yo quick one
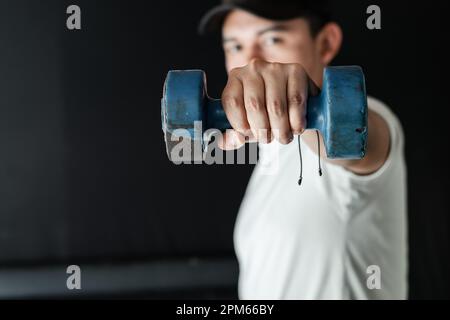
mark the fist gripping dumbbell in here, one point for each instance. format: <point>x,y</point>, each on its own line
<point>339,112</point>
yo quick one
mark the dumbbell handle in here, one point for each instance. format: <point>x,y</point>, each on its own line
<point>217,119</point>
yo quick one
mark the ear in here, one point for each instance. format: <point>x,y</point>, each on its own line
<point>328,42</point>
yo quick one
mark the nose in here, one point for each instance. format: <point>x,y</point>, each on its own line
<point>254,52</point>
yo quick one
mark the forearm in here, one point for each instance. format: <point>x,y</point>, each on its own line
<point>377,147</point>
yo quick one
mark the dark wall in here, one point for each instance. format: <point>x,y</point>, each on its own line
<point>83,169</point>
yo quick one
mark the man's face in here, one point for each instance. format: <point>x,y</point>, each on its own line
<point>247,36</point>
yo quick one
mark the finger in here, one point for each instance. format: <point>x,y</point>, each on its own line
<point>233,105</point>
<point>276,105</point>
<point>254,99</point>
<point>230,140</point>
<point>297,93</point>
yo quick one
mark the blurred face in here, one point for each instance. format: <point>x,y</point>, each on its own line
<point>247,36</point>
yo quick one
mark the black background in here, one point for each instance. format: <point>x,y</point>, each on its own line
<point>83,170</point>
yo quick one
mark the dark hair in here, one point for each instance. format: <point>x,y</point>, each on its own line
<point>316,22</point>
<point>316,12</point>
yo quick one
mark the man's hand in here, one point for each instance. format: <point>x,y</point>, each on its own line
<point>265,101</point>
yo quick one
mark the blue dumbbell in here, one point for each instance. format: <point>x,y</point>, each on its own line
<point>339,112</point>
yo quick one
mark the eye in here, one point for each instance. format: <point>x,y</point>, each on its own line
<point>233,48</point>
<point>270,41</point>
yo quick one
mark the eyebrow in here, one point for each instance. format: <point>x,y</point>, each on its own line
<point>275,27</point>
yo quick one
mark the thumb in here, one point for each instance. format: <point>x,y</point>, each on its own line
<point>230,140</point>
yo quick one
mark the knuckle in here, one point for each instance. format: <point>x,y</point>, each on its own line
<point>285,138</point>
<point>254,63</point>
<point>231,101</point>
<point>298,127</point>
<point>296,68</point>
<point>296,99</point>
<point>275,65</point>
<point>274,71</point>
<point>276,108</point>
<point>235,72</point>
<point>270,68</point>
<point>254,104</point>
